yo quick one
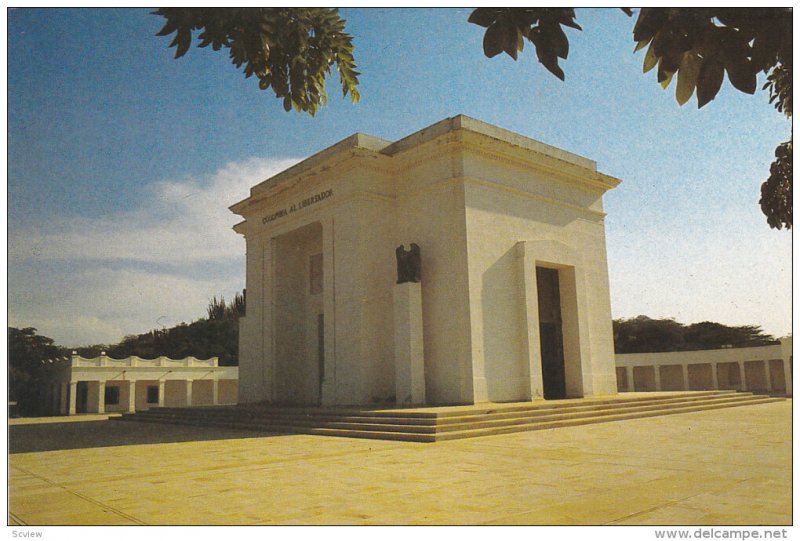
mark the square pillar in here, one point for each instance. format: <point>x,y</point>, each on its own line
<point>328,390</point>
<point>714,377</point>
<point>786,357</point>
<point>787,376</point>
<point>49,399</point>
<point>657,376</point>
<point>215,391</point>
<point>189,392</point>
<point>54,405</point>
<point>73,397</point>
<point>101,397</point>
<point>131,396</point>
<point>409,355</point>
<point>530,320</point>
<point>63,392</point>
<point>768,376</point>
<point>685,370</point>
<point>161,392</point>
<point>742,375</point>
<point>629,377</point>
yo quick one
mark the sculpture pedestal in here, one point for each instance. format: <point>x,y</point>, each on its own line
<point>408,350</point>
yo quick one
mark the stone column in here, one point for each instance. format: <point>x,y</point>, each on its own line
<point>530,320</point>
<point>132,396</point>
<point>73,397</point>
<point>328,390</point>
<point>787,376</point>
<point>189,392</point>
<point>629,377</point>
<point>63,391</point>
<point>215,391</point>
<point>101,397</point>
<point>161,392</point>
<point>657,374</point>
<point>54,405</point>
<point>742,377</point>
<point>685,370</point>
<point>714,377</point>
<point>786,357</point>
<point>49,399</point>
<point>409,356</point>
<point>767,375</point>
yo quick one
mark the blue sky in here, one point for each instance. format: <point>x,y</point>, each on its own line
<point>122,162</point>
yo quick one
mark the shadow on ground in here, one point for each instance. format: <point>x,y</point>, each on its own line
<point>35,438</point>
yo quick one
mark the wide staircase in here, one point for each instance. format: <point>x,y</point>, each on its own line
<point>447,423</point>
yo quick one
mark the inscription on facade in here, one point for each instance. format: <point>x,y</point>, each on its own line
<point>303,203</point>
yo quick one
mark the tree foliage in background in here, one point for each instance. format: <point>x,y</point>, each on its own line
<point>642,334</point>
<point>28,355</point>
<point>214,336</point>
<point>508,28</point>
<point>219,310</point>
<point>291,50</point>
<point>698,45</point>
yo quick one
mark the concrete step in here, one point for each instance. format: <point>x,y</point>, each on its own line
<point>424,426</point>
<point>571,414</point>
<point>595,419</point>
<point>414,414</point>
<point>401,417</point>
<point>540,411</point>
<point>452,426</point>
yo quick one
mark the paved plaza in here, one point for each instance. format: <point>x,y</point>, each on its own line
<point>718,467</point>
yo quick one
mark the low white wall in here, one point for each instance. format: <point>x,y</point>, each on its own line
<point>760,369</point>
<point>180,382</point>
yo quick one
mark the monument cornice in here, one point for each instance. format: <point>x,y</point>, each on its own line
<point>327,208</point>
<point>595,214</point>
<point>502,151</point>
<point>353,158</point>
<point>544,163</point>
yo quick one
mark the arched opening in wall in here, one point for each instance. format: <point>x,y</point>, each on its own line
<point>299,315</point>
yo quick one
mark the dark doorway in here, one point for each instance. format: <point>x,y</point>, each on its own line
<point>82,397</point>
<point>550,334</point>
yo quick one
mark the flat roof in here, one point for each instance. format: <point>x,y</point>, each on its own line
<point>388,148</point>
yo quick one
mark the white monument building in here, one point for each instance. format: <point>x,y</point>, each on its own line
<point>512,301</point>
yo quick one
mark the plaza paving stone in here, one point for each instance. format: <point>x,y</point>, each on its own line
<point>718,467</point>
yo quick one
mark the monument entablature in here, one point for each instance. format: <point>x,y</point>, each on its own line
<point>512,300</point>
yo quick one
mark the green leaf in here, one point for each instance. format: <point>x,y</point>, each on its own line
<point>549,60</point>
<point>483,17</point>
<point>666,80</point>
<point>742,76</point>
<point>650,59</point>
<point>687,77</point>
<point>649,22</point>
<point>709,81</point>
<point>184,40</point>
<point>641,45</point>
<point>493,40</point>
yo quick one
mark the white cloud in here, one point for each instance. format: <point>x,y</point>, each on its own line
<point>182,221</point>
<point>93,280</point>
<point>102,305</point>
